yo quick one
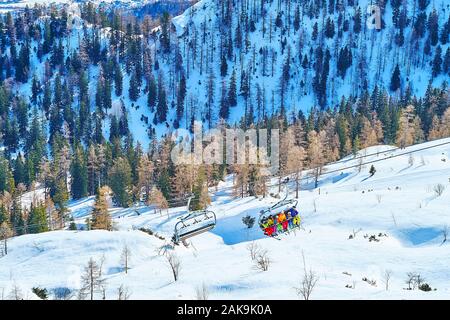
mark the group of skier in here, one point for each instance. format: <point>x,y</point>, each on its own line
<point>281,222</point>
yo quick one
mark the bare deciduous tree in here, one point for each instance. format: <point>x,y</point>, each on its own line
<point>125,257</point>
<point>174,263</point>
<point>123,293</point>
<point>91,280</point>
<point>386,278</point>
<point>253,248</point>
<point>262,261</point>
<point>308,282</point>
<point>15,293</point>
<point>413,280</point>
<point>5,233</point>
<point>202,292</point>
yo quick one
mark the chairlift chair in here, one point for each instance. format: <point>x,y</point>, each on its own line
<point>283,205</point>
<point>193,224</point>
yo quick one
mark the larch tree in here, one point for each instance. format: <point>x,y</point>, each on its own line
<point>6,232</point>
<point>201,197</point>
<point>125,257</point>
<point>406,126</point>
<point>445,123</point>
<point>368,134</point>
<point>316,158</point>
<point>296,159</point>
<point>101,218</point>
<point>91,280</point>
<point>258,172</point>
<point>145,176</point>
<point>158,200</point>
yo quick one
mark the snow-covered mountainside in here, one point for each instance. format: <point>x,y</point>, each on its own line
<point>292,54</point>
<point>355,229</point>
<point>242,61</point>
<point>152,7</point>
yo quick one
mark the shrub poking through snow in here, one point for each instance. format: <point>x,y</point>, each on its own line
<point>439,189</point>
<point>248,221</point>
<point>425,287</point>
<point>40,292</point>
<point>262,261</point>
<point>415,281</point>
<point>372,171</point>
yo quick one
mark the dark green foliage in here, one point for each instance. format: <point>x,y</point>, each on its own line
<point>395,79</point>
<point>425,287</point>
<point>248,221</point>
<point>79,181</point>
<point>40,292</point>
<point>372,170</point>
<point>37,219</point>
<point>120,181</point>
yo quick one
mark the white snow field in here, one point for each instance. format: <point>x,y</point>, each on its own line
<point>398,201</point>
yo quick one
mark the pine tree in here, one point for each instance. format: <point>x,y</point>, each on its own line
<point>120,181</point>
<point>446,63</point>
<point>161,107</point>
<point>223,66</point>
<point>433,27</point>
<point>224,110</point>
<point>437,62</point>
<point>395,79</point>
<point>357,21</point>
<point>79,181</point>
<point>152,93</point>
<point>232,98</point>
<point>37,219</point>
<point>181,96</point>
<point>35,89</point>
<point>165,32</point>
<point>133,91</point>
<point>118,80</point>
<point>329,28</point>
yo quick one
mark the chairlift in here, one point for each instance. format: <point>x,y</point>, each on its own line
<point>193,224</point>
<point>285,205</point>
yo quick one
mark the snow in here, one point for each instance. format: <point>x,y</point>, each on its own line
<point>398,201</point>
<point>379,49</point>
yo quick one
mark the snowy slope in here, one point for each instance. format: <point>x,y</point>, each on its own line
<point>397,201</point>
<point>374,56</point>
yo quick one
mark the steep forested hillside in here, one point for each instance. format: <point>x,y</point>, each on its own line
<point>87,91</point>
